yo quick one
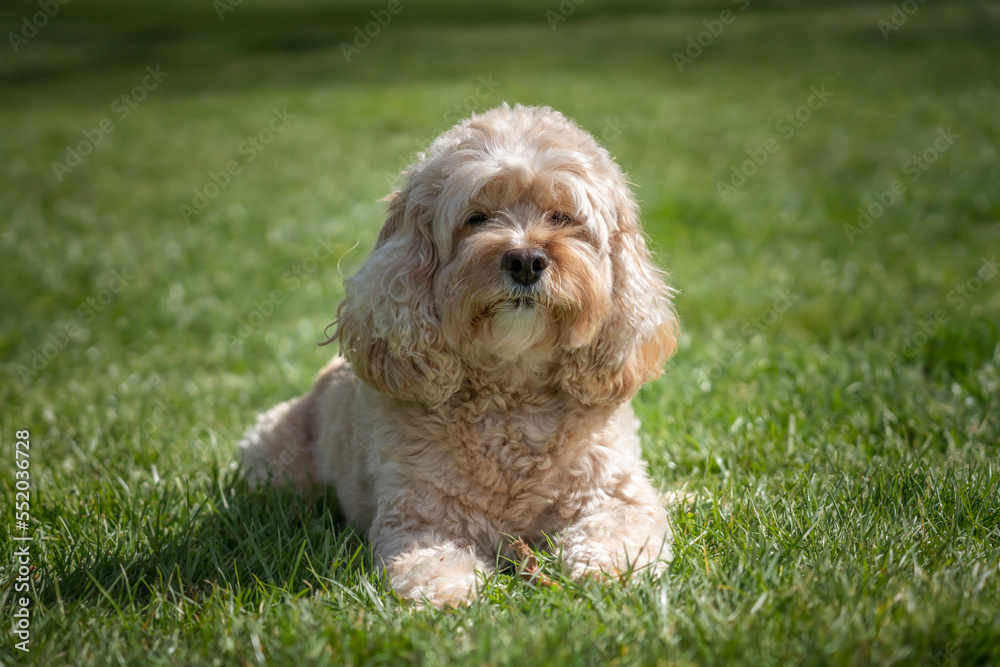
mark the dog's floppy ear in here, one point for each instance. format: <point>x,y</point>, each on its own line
<point>641,332</point>
<point>387,324</point>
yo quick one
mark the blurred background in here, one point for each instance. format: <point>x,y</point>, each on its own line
<point>185,184</point>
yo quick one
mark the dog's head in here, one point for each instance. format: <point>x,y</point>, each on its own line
<point>513,251</point>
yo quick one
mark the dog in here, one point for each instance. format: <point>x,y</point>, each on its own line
<point>491,345</point>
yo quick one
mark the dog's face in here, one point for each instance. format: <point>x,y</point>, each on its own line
<point>523,241</point>
<point>513,251</point>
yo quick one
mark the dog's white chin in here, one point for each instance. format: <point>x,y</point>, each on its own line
<point>516,327</point>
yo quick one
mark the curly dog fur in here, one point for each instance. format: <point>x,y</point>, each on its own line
<point>492,343</point>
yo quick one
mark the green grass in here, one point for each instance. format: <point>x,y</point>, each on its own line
<point>844,465</point>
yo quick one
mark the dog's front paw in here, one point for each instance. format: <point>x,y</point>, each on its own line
<point>444,575</point>
<point>622,539</point>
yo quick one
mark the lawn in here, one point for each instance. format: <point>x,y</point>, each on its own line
<point>184,185</point>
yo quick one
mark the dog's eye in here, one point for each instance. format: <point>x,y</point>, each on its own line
<point>477,219</point>
<point>560,218</point>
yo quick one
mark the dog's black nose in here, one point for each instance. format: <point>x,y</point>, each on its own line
<point>525,265</point>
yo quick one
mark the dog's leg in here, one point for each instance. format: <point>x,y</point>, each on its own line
<point>281,446</point>
<point>424,562</point>
<point>619,536</point>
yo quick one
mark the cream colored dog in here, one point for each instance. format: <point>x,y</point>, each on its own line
<point>493,340</point>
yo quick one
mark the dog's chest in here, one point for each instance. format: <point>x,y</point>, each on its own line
<point>521,466</point>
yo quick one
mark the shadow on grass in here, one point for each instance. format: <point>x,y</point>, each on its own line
<point>191,542</point>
